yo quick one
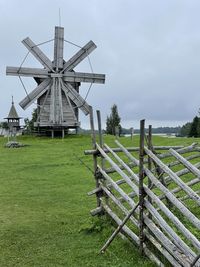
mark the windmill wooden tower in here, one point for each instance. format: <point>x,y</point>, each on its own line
<point>57,92</point>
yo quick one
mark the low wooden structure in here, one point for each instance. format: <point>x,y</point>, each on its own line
<point>152,195</point>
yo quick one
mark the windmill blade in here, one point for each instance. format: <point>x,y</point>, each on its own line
<point>70,76</point>
<point>79,56</point>
<point>36,93</point>
<point>37,53</point>
<point>75,97</point>
<point>27,72</point>
<point>58,48</point>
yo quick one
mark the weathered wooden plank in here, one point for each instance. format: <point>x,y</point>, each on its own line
<point>174,163</point>
<point>182,150</point>
<point>27,72</point>
<point>58,48</point>
<point>187,197</point>
<point>168,179</point>
<point>75,97</point>
<point>69,76</point>
<point>35,94</point>
<point>118,203</point>
<point>116,187</point>
<point>93,138</point>
<point>165,246</point>
<point>119,221</point>
<point>141,186</point>
<point>190,254</point>
<point>175,190</point>
<point>178,254</point>
<point>180,173</point>
<point>101,142</point>
<point>159,235</point>
<point>116,167</point>
<point>126,230</point>
<point>37,53</point>
<point>173,176</point>
<point>168,230</point>
<point>135,149</point>
<point>150,146</point>
<point>155,214</point>
<point>52,103</point>
<point>94,191</point>
<point>71,110</point>
<point>43,106</point>
<point>79,56</point>
<point>119,228</point>
<point>193,219</point>
<point>96,211</point>
<point>60,103</point>
<point>186,163</point>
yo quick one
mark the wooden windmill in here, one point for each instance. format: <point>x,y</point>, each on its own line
<point>57,93</point>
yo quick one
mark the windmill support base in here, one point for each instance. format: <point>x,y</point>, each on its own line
<point>63,133</point>
<point>52,133</point>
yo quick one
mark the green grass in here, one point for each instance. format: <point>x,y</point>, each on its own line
<point>44,208</point>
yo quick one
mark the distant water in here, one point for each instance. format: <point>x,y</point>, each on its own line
<point>157,134</point>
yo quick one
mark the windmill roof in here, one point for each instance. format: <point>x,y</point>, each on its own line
<point>13,113</point>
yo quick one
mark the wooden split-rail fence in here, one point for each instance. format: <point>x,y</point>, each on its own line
<point>152,195</point>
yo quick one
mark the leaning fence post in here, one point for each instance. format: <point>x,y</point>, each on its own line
<point>93,136</point>
<point>141,188</point>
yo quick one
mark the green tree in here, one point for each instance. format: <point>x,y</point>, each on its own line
<point>194,127</point>
<point>113,121</point>
<point>29,124</point>
<point>185,129</point>
<point>4,125</point>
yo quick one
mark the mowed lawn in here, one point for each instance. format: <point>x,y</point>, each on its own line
<point>44,207</point>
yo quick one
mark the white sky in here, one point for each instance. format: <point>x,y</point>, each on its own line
<point>148,49</point>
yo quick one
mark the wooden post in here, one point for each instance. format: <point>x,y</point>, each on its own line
<point>149,159</point>
<point>101,142</point>
<point>141,188</point>
<point>93,136</point>
<point>100,135</point>
<point>132,132</point>
<point>99,128</point>
<point>52,133</point>
<point>63,133</point>
<point>117,131</point>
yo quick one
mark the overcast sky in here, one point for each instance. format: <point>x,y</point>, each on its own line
<point>148,49</point>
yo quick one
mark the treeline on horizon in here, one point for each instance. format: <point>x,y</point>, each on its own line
<point>190,129</point>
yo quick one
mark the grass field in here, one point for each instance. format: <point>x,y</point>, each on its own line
<point>44,209</point>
